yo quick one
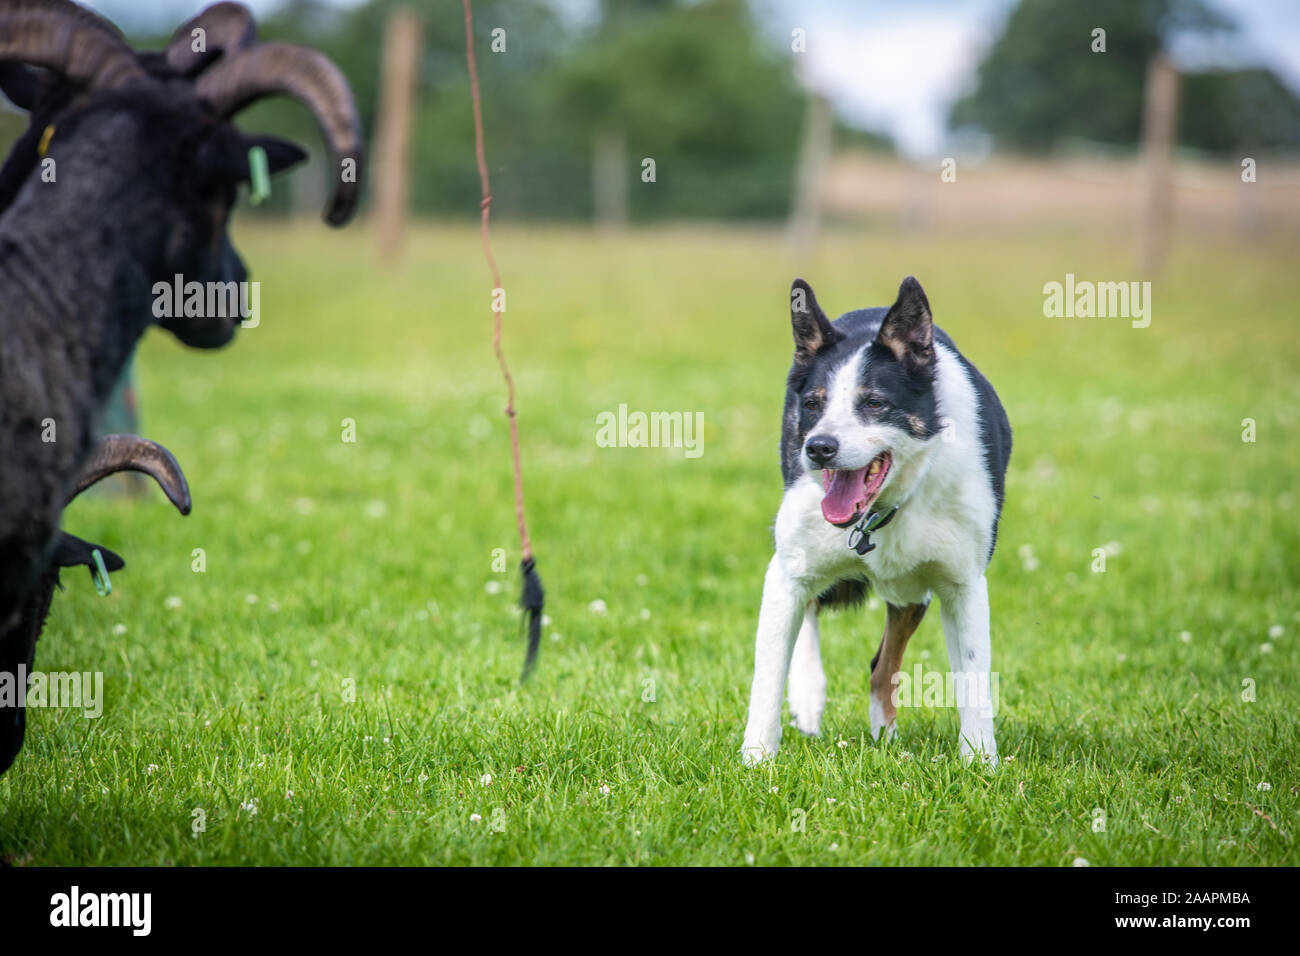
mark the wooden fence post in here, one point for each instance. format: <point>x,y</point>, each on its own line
<point>1160,114</point>
<point>810,171</point>
<point>393,136</point>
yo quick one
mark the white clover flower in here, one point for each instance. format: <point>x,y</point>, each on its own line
<point>172,603</point>
<point>597,607</point>
<point>485,780</point>
<point>475,818</point>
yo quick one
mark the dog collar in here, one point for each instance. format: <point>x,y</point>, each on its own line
<point>860,537</point>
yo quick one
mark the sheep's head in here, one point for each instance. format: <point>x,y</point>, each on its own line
<point>113,453</point>
<point>156,130</point>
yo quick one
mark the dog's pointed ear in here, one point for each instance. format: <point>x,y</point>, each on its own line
<point>812,330</point>
<point>908,327</point>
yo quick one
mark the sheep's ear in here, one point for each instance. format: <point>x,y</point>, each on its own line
<point>225,159</point>
<point>70,551</point>
<point>280,154</point>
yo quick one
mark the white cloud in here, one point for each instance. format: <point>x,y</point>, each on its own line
<point>900,73</point>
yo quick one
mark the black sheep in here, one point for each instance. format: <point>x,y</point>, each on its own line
<point>112,454</point>
<point>146,166</point>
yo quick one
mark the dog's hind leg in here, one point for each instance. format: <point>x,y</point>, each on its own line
<point>900,624</point>
<point>778,622</point>
<point>807,690</point>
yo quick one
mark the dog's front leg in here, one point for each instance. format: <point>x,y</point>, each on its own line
<point>807,690</point>
<point>778,623</point>
<point>964,610</point>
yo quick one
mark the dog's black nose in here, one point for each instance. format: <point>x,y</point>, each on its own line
<point>822,448</point>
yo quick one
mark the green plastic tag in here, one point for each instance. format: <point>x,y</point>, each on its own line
<point>100,575</point>
<point>259,176</point>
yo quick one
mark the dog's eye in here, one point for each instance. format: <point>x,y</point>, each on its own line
<point>874,403</point>
<point>812,403</point>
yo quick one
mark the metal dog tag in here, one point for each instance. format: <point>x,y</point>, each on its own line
<point>860,537</point>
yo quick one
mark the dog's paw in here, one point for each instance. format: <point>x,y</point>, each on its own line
<point>807,704</point>
<point>979,749</point>
<point>882,725</point>
<point>753,756</point>
<point>760,748</point>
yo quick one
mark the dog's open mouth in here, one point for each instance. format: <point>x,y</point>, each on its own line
<point>848,493</point>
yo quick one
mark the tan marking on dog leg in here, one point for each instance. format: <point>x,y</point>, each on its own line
<point>900,624</point>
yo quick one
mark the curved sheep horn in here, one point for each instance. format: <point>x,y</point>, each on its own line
<point>66,38</point>
<point>116,453</point>
<point>311,78</point>
<point>227,28</point>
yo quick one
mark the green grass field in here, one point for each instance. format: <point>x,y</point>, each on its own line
<point>333,566</point>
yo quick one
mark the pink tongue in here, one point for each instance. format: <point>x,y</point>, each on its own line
<point>846,495</point>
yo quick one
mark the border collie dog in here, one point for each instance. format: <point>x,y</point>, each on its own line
<point>894,451</point>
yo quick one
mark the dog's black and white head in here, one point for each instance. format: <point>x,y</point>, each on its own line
<point>861,404</point>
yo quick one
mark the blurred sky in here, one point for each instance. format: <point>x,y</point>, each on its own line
<point>894,65</point>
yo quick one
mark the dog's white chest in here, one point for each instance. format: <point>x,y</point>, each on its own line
<point>932,539</point>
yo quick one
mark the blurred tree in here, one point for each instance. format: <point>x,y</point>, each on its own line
<point>688,83</point>
<point>1041,81</point>
<point>1237,112</point>
<point>693,87</point>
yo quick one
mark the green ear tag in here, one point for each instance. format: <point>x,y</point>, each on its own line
<point>99,574</point>
<point>259,176</point>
